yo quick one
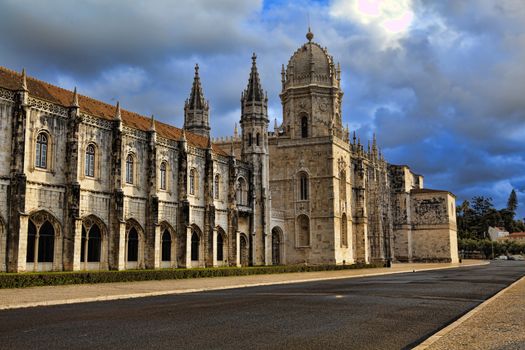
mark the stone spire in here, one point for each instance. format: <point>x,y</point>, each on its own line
<point>74,103</point>
<point>196,109</point>
<point>118,115</point>
<point>235,131</point>
<point>254,91</point>
<point>152,125</point>
<point>275,125</point>
<point>23,82</point>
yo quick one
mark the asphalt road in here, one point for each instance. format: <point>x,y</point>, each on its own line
<point>385,312</point>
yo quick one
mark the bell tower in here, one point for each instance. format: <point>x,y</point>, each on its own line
<point>311,93</point>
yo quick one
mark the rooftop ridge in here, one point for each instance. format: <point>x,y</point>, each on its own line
<point>199,141</point>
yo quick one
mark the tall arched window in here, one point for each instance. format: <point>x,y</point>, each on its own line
<point>192,181</point>
<point>242,193</point>
<point>303,186</point>
<point>41,150</point>
<point>133,245</point>
<point>163,169</point>
<point>250,139</point>
<point>220,247</point>
<point>166,246</point>
<point>90,161</point>
<point>195,242</point>
<point>258,139</point>
<point>216,187</point>
<point>129,169</point>
<point>304,126</point>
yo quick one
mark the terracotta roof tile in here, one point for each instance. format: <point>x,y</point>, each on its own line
<point>12,80</point>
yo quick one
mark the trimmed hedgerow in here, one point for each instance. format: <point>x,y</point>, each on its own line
<point>23,280</point>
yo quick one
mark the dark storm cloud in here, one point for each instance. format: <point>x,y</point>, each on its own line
<point>446,97</point>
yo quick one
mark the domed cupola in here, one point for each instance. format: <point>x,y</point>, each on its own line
<point>310,64</point>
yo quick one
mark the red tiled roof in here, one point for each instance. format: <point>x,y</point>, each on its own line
<point>517,234</point>
<point>11,80</point>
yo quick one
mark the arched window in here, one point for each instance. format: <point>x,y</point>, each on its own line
<point>242,193</point>
<point>344,231</point>
<point>163,169</point>
<point>195,240</point>
<point>342,185</point>
<point>46,243</point>
<point>94,244</point>
<point>216,187</point>
<point>303,186</point>
<point>31,238</point>
<point>258,139</point>
<point>133,245</point>
<point>41,150</point>
<point>166,246</point>
<point>129,169</point>
<point>250,139</point>
<point>90,161</point>
<point>303,231</point>
<point>192,181</point>
<point>304,126</point>
<point>220,247</point>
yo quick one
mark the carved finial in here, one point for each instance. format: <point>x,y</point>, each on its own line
<point>275,126</point>
<point>354,137</point>
<point>23,84</point>
<point>118,115</point>
<point>232,150</point>
<point>283,74</point>
<point>235,131</point>
<point>75,98</point>
<point>309,35</point>
<point>183,135</point>
<point>152,126</point>
<point>209,142</point>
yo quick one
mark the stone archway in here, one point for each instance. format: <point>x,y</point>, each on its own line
<point>44,248</point>
<point>169,246</point>
<point>221,245</point>
<point>244,250</point>
<point>197,256</point>
<point>277,246</point>
<point>94,244</point>
<point>134,245</point>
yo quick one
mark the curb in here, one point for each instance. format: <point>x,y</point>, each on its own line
<point>195,290</point>
<point>443,332</point>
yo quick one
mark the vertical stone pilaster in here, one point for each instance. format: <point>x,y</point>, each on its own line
<point>77,244</point>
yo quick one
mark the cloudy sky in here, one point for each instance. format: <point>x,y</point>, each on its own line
<point>441,83</point>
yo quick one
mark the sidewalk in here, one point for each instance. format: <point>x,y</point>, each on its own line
<point>56,295</point>
<point>498,323</point>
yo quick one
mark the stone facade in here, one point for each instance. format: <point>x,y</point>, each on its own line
<point>86,186</point>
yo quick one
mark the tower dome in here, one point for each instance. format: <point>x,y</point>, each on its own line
<point>311,63</point>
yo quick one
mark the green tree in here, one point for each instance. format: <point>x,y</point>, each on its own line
<point>512,202</point>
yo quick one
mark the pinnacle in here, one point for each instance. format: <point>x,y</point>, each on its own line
<point>118,115</point>
<point>196,100</point>
<point>23,85</point>
<point>254,91</point>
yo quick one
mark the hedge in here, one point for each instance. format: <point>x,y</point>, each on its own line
<point>30,279</point>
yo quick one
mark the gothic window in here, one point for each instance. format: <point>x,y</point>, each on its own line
<point>303,231</point>
<point>216,187</point>
<point>195,242</point>
<point>242,193</point>
<point>342,185</point>
<point>192,181</point>
<point>41,150</point>
<point>90,161</point>
<point>220,247</point>
<point>304,127</point>
<point>94,244</point>
<point>40,242</point>
<point>31,239</point>
<point>129,169</point>
<point>250,139</point>
<point>257,139</point>
<point>133,245</point>
<point>163,170</point>
<point>303,186</point>
<point>166,246</point>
